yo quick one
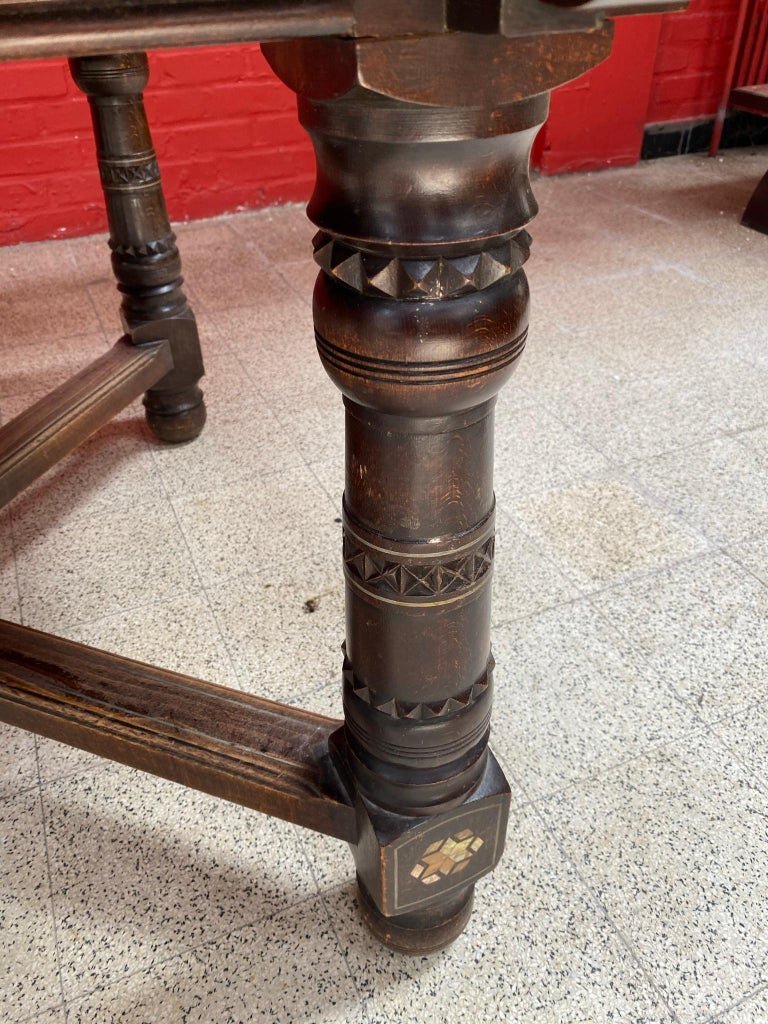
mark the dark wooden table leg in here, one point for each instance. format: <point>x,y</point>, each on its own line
<point>145,258</point>
<point>421,313</point>
<point>755,215</point>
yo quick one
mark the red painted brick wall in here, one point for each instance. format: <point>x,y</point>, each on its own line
<point>691,62</point>
<point>227,135</point>
<point>225,130</point>
<point>598,120</point>
<point>665,68</point>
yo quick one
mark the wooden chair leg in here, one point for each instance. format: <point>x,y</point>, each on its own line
<point>421,312</point>
<point>755,215</point>
<point>145,258</point>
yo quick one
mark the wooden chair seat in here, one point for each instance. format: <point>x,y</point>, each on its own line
<point>751,98</point>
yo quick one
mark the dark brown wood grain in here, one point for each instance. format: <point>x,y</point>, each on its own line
<point>404,68</point>
<point>421,315</point>
<point>35,29</point>
<point>250,751</point>
<point>34,441</point>
<point>422,116</point>
<point>755,215</point>
<point>40,28</point>
<point>754,99</point>
<point>145,258</point>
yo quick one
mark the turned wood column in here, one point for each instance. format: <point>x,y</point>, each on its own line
<point>145,259</point>
<point>421,313</point>
<point>421,199</point>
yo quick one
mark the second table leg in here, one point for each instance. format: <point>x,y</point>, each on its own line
<point>145,258</point>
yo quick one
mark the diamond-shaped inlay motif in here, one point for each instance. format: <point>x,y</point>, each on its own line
<point>438,278</point>
<point>447,857</point>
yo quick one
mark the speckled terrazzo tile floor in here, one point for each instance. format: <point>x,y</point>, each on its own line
<point>630,630</point>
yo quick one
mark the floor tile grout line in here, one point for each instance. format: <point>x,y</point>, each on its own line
<point>61,629</point>
<point>236,481</point>
<point>253,923</point>
<point>222,582</point>
<point>202,586</point>
<point>644,655</point>
<point>15,564</point>
<point>286,473</point>
<point>603,771</point>
<point>551,406</point>
<point>166,500</point>
<point>635,577</point>
<point>106,335</point>
<point>279,419</point>
<point>601,908</point>
<point>297,291</point>
<point>751,774</point>
<point>14,545</point>
<point>704,442</point>
<point>644,658</point>
<point>537,801</point>
<point>710,552</point>
<point>239,577</point>
<point>332,924</point>
<point>511,512</point>
<point>212,313</point>
<point>617,474</point>
<point>306,465</point>
<point>701,724</point>
<point>38,1014</point>
<point>22,791</point>
<point>758,705</point>
<point>718,1015</point>
<point>584,441</point>
<point>728,553</point>
<point>130,504</point>
<point>49,873</point>
<point>652,671</point>
<point>583,594</point>
<point>505,623</point>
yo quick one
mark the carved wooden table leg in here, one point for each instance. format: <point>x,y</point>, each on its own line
<point>145,258</point>
<point>421,312</point>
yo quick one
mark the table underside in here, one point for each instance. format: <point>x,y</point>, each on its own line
<point>44,28</point>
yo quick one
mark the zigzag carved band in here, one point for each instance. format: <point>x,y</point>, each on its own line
<point>424,711</point>
<point>397,578</point>
<point>120,175</point>
<point>145,250</point>
<point>440,277</point>
<point>398,372</point>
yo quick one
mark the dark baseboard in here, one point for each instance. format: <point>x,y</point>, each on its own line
<point>676,137</point>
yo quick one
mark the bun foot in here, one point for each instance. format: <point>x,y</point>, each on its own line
<point>420,932</point>
<point>176,421</point>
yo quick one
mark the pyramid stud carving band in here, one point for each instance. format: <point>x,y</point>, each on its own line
<point>440,277</point>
